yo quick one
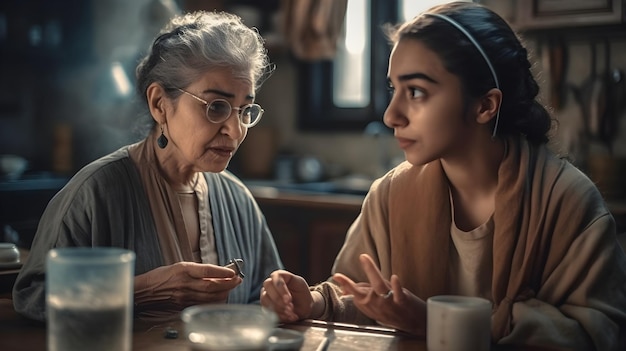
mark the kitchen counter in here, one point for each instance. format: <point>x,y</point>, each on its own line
<point>313,199</point>
<point>22,202</point>
<point>8,275</point>
<point>328,195</point>
<point>34,183</point>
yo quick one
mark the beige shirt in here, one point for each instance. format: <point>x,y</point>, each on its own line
<point>471,260</point>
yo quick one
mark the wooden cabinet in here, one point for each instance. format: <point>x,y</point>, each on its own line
<point>550,14</point>
<point>46,32</point>
<point>309,229</point>
<point>535,14</point>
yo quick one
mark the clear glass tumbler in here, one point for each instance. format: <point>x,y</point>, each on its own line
<point>89,298</point>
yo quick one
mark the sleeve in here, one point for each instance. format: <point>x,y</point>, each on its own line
<point>582,302</point>
<point>57,228</point>
<point>91,210</point>
<point>339,308</point>
<point>368,234</point>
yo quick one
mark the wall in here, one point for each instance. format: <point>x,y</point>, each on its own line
<point>578,72</point>
<point>278,96</point>
<point>60,109</point>
<point>351,152</point>
<point>73,95</point>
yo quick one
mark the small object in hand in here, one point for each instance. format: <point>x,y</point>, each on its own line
<point>171,333</point>
<point>236,264</point>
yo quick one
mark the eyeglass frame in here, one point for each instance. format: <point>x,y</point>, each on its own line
<point>238,109</point>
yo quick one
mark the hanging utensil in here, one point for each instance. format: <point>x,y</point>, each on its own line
<point>613,86</point>
<point>557,66</point>
<point>591,95</point>
<point>619,90</point>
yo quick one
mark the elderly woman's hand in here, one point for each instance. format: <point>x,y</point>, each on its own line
<point>185,284</point>
<point>385,301</point>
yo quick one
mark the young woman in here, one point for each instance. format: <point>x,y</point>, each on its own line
<point>168,197</point>
<point>481,207</point>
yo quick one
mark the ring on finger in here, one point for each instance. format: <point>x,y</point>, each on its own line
<point>386,295</point>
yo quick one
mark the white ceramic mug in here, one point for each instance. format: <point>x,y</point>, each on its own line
<point>458,323</point>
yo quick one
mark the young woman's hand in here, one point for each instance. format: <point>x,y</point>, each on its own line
<point>185,284</point>
<point>385,301</point>
<point>288,295</point>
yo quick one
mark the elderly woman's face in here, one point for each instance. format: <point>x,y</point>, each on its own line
<point>209,146</point>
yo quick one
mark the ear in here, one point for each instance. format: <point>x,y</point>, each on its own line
<point>488,106</point>
<point>155,95</point>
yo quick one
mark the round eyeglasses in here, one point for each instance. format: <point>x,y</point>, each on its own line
<point>219,110</point>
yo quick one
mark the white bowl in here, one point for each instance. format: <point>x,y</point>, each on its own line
<point>228,326</point>
<point>12,166</point>
<point>9,253</point>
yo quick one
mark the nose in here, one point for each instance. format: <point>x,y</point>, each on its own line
<point>393,116</point>
<point>232,126</point>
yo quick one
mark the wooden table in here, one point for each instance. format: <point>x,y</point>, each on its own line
<point>345,338</point>
<point>20,334</point>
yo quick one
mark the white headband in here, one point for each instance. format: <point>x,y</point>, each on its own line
<point>482,52</point>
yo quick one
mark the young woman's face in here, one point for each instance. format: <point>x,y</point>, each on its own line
<point>208,146</point>
<point>426,111</point>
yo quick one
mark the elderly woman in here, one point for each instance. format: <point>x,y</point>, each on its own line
<point>168,197</point>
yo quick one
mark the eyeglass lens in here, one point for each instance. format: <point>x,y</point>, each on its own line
<point>220,110</point>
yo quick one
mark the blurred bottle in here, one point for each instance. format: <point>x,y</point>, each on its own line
<point>62,155</point>
<point>257,153</point>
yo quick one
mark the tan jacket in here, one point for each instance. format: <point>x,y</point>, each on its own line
<point>559,275</point>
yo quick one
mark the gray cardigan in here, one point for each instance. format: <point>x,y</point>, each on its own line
<point>105,204</point>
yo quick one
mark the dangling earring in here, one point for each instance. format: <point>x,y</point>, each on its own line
<point>162,140</point>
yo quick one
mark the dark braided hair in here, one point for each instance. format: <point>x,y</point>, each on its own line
<point>520,112</point>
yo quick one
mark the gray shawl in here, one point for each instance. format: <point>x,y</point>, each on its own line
<point>105,204</point>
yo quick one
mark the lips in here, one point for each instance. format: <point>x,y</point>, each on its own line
<point>404,143</point>
<point>225,151</point>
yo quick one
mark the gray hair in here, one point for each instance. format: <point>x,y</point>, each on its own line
<point>193,43</point>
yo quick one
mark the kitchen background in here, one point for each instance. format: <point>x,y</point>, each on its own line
<point>59,107</point>
<point>66,93</point>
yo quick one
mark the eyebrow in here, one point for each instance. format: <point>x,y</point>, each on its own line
<point>224,94</point>
<point>416,75</point>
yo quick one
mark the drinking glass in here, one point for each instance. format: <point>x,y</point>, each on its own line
<point>89,298</point>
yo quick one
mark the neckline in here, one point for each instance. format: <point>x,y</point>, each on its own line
<point>187,188</point>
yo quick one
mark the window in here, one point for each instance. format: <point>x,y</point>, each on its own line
<point>351,74</point>
<point>351,91</point>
